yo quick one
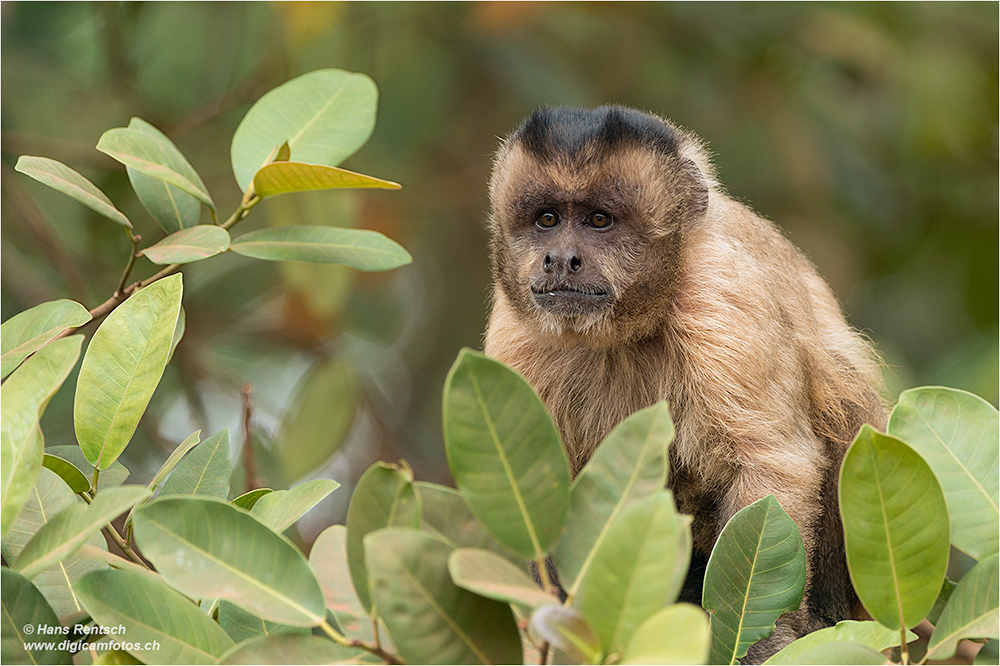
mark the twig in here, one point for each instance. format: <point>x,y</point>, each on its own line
<point>131,261</point>
<point>248,456</point>
<point>543,653</point>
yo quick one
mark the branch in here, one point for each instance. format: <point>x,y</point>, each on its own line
<point>122,292</point>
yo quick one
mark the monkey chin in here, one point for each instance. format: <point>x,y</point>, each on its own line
<point>572,311</point>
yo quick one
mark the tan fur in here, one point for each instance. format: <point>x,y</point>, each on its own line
<point>765,380</point>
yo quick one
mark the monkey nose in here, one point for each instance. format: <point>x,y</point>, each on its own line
<point>572,262</point>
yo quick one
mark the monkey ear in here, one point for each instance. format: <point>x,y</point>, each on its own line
<point>693,189</point>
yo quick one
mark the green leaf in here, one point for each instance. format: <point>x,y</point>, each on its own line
<point>153,615</point>
<point>50,496</point>
<point>895,528</point>
<point>23,399</point>
<point>324,116</point>
<point>248,499</point>
<point>178,333</point>
<point>505,454</point>
<point>187,245</point>
<point>972,612</point>
<point>445,514</point>
<point>281,509</point>
<point>72,526</point>
<point>947,589</point>
<point>205,471</point>
<point>175,457</point>
<point>156,156</point>
<point>565,629</point>
<point>319,418</point>
<point>633,574</point>
<point>328,559</point>
<point>957,434</point>
<point>629,465</point>
<point>208,548</point>
<point>24,606</point>
<point>122,367</point>
<point>430,618</point>
<point>290,649</point>
<point>28,331</point>
<point>384,497</point>
<point>172,208</point>
<point>60,177</point>
<point>242,626</point>
<point>358,248</point>
<point>112,477</point>
<point>988,654</point>
<point>841,653</point>
<point>490,575</point>
<point>872,634</point>
<point>678,634</point>
<point>286,177</point>
<point>756,572</point>
<point>68,472</point>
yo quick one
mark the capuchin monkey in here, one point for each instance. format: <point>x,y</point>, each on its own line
<point>624,275</point>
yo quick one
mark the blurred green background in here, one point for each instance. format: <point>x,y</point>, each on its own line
<point>868,132</point>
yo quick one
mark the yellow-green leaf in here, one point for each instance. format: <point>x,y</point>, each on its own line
<point>122,367</point>
<point>284,177</point>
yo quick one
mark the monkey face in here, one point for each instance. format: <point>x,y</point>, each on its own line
<point>568,281</point>
<point>588,212</point>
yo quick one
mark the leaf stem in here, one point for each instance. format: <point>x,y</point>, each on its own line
<point>93,484</point>
<point>376,650</point>
<point>110,530</point>
<point>131,261</point>
<point>246,205</point>
<point>904,651</point>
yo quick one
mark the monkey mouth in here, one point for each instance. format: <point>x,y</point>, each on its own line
<point>569,299</point>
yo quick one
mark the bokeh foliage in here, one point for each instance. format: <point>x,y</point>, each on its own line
<point>868,131</point>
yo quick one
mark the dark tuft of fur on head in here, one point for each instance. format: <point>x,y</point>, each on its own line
<point>565,131</point>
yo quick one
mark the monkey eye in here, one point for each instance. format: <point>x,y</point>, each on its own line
<point>547,219</point>
<point>599,220</point>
